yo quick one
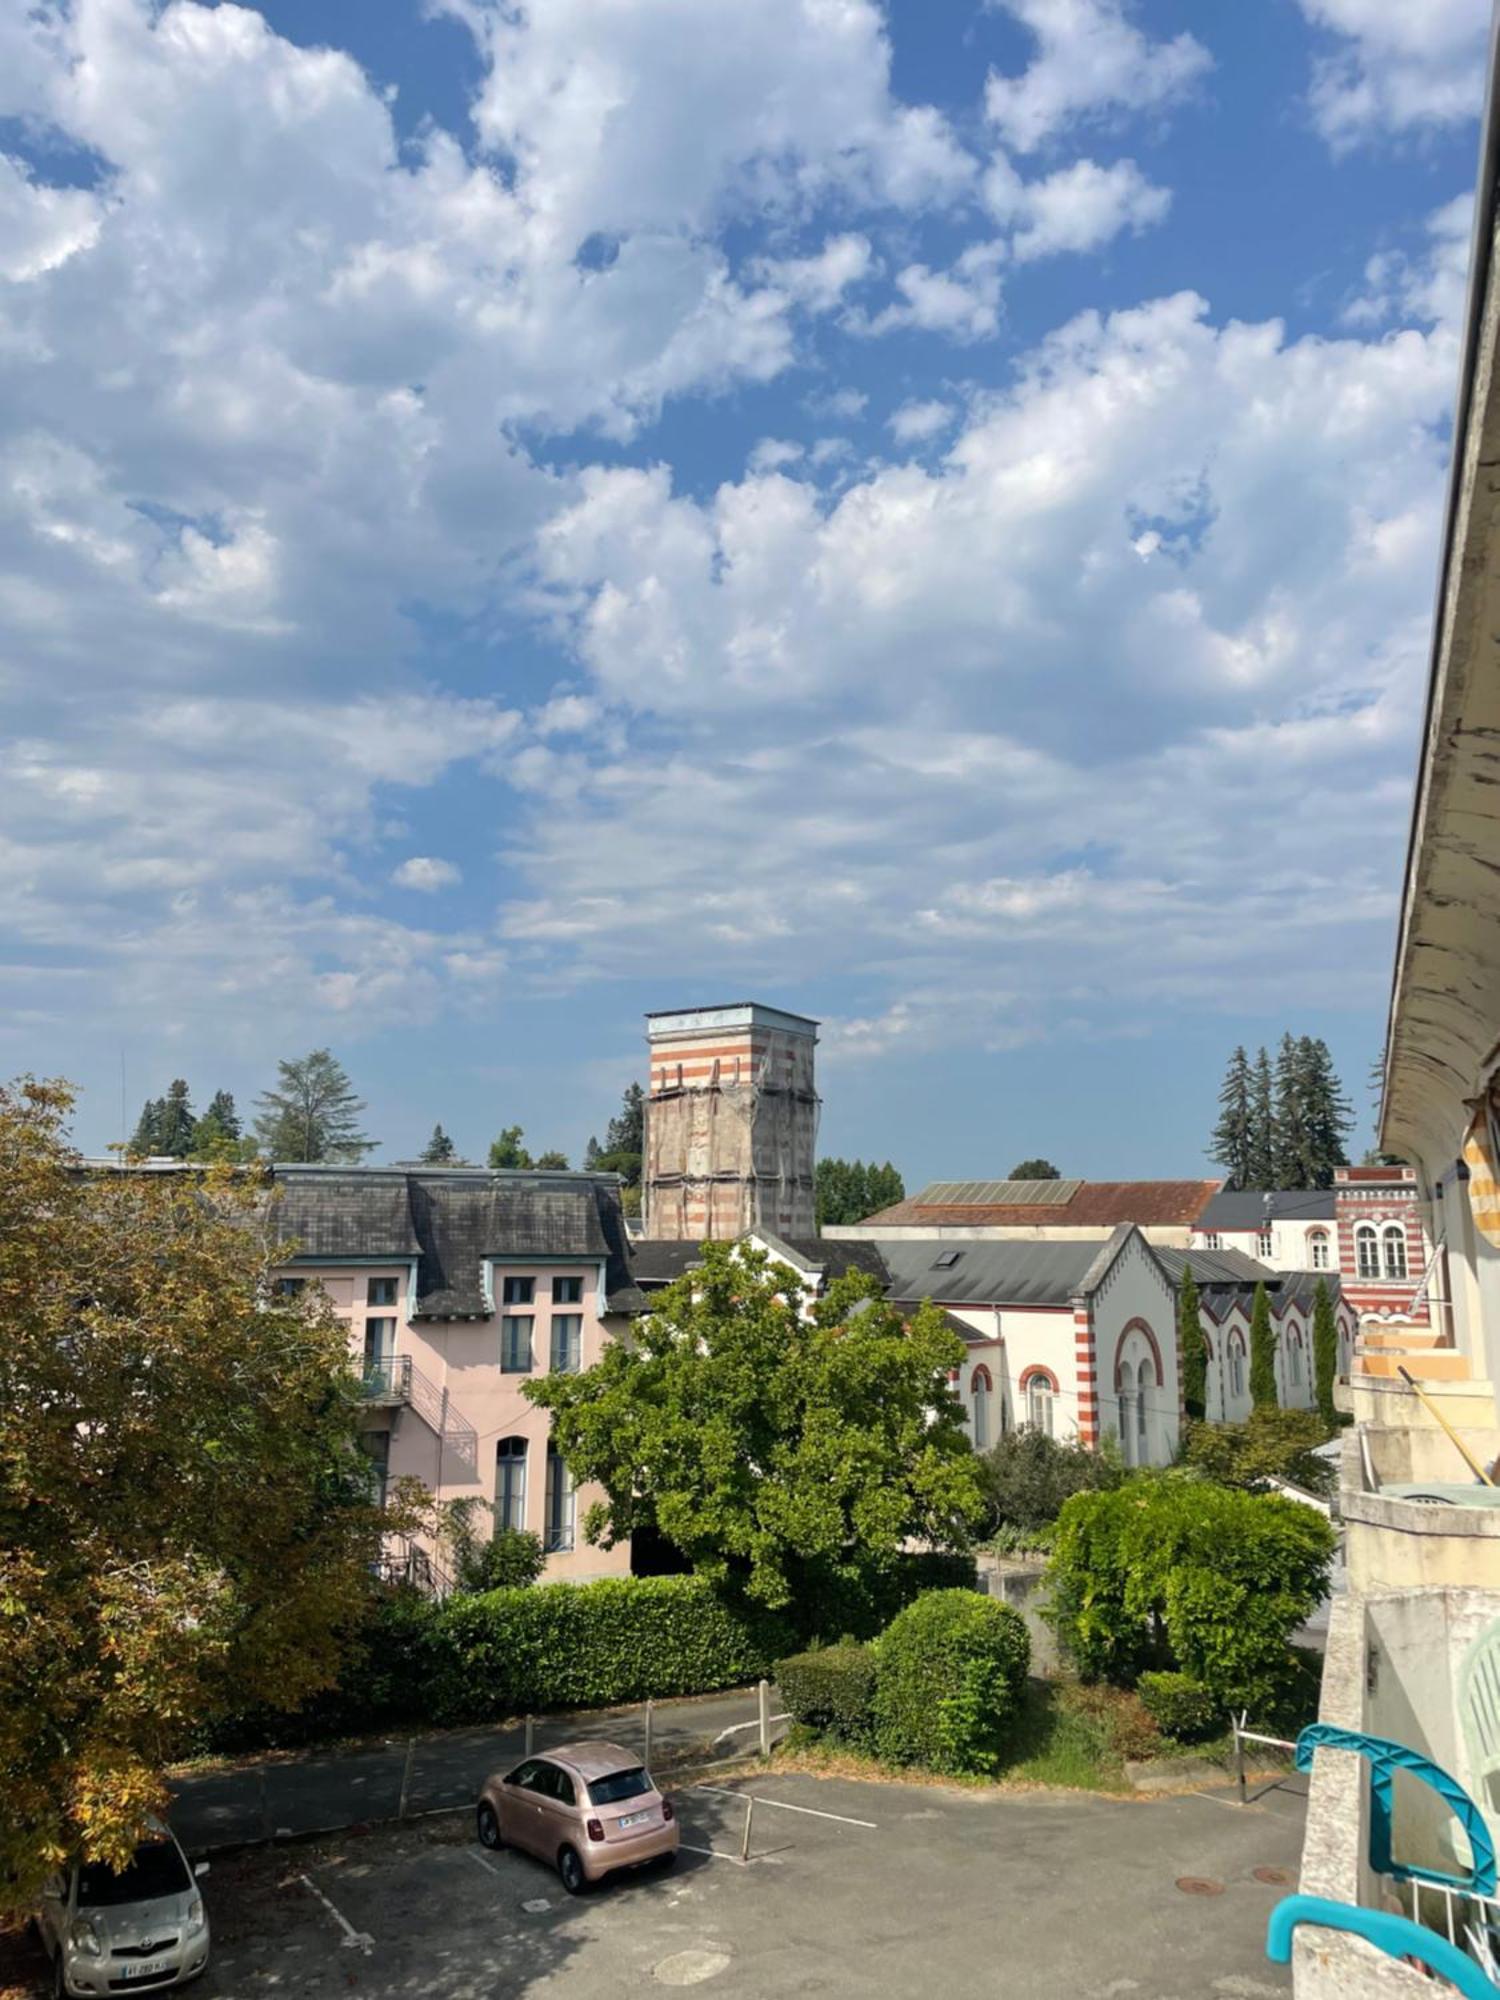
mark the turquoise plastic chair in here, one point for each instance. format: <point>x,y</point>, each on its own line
<point>1385,1759</point>
<point>1397,1937</point>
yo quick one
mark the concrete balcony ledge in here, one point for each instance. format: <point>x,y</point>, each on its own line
<point>1385,1400</point>
<point>1394,1542</point>
<point>1432,1364</point>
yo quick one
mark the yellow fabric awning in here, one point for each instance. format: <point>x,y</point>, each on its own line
<point>1482,1158</point>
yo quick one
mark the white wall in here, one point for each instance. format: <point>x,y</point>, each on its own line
<point>1013,1340</point>
<point>1136,1288</point>
<point>1290,1248</point>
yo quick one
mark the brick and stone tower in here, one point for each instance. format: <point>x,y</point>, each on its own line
<point>731,1123</point>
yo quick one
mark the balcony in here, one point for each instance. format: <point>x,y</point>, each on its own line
<point>395,1383</point>
<point>388,1382</point>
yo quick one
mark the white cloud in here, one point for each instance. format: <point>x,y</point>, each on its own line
<point>842,405</point>
<point>962,302</point>
<point>819,282</point>
<point>1395,67</point>
<point>1430,288</point>
<point>1091,61</point>
<point>915,423</point>
<point>41,227</point>
<point>1079,208</point>
<point>425,872</point>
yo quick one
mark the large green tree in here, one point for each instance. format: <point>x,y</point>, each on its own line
<point>1262,1159</point>
<point>1191,1347</point>
<point>1262,1353</point>
<point>1233,1142</point>
<point>186,1516</point>
<point>1325,1340</point>
<point>787,1456</point>
<point>849,1190</point>
<point>166,1126</point>
<point>509,1150</point>
<point>313,1114</point>
<point>219,1134</point>
<point>1034,1170</point>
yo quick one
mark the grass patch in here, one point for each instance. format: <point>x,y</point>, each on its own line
<point>1063,1740</point>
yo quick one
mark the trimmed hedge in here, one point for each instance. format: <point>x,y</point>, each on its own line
<point>950,1675</point>
<point>832,1691</point>
<point>1180,1706</point>
<point>590,1645</point>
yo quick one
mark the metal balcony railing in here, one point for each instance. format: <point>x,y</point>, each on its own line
<point>388,1380</point>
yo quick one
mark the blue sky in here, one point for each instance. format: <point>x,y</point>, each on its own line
<point>924,515</point>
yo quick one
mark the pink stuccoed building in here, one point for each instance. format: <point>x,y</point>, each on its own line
<point>459,1285</point>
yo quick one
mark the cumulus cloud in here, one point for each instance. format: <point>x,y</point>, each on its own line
<point>819,281</point>
<point>425,872</point>
<point>962,303</point>
<point>1079,208</point>
<point>915,423</point>
<point>1091,62</point>
<point>1393,69</point>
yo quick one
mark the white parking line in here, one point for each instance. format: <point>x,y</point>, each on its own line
<point>488,1866</point>
<point>785,1805</point>
<point>360,1940</point>
<point>714,1853</point>
<point>738,1728</point>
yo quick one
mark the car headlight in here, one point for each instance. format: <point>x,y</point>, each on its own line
<point>195,1914</point>
<point>83,1937</point>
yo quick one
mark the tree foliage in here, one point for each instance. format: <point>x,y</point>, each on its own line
<point>1262,1353</point>
<point>1282,1126</point>
<point>440,1150</point>
<point>1028,1476</point>
<point>949,1677</point>
<point>787,1456</point>
<point>219,1134</point>
<point>1191,1346</point>
<point>313,1114</point>
<point>1274,1444</point>
<point>1034,1170</point>
<point>624,1148</point>
<point>1325,1340</point>
<point>166,1126</point>
<point>849,1190</point>
<point>186,1516</point>
<point>1173,1572</point>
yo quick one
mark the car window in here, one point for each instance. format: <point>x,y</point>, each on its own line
<point>631,1784</point>
<point>563,1789</point>
<point>524,1775</point>
<point>156,1870</point>
<point>551,1782</point>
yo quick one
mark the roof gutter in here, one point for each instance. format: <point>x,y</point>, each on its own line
<point>1480,245</point>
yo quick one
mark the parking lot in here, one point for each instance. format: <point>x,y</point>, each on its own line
<point>851,1888</point>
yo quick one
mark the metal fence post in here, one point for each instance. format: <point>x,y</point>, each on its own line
<point>1239,1754</point>
<point>530,1735</point>
<point>650,1717</point>
<point>749,1819</point>
<point>411,1751</point>
<point>268,1833</point>
<point>764,1693</point>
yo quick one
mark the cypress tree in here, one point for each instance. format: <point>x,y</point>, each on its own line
<point>1325,1352</point>
<point>1262,1353</point>
<point>1193,1354</point>
<point>1233,1141</point>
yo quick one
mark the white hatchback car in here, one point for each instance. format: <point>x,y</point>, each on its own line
<point>138,1930</point>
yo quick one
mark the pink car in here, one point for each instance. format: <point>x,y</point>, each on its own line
<point>585,1809</point>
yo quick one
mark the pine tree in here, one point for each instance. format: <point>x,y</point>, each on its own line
<point>225,1118</point>
<point>1191,1349</point>
<point>1325,1352</point>
<point>440,1150</point>
<point>219,1134</point>
<point>314,1114</point>
<point>174,1134</point>
<point>591,1155</point>
<point>1233,1141</point>
<point>1262,1156</point>
<point>627,1132</point>
<point>1291,1151</point>
<point>145,1138</point>
<point>1327,1114</point>
<point>1262,1353</point>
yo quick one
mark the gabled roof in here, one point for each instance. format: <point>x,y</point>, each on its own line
<point>656,1262</point>
<point>1090,1204</point>
<point>1248,1208</point>
<point>1023,1273</point>
<point>1216,1267</point>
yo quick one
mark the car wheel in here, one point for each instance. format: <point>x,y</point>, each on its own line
<point>570,1869</point>
<point>487,1823</point>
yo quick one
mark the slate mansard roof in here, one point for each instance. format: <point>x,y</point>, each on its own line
<point>450,1221</point>
<point>1248,1208</point>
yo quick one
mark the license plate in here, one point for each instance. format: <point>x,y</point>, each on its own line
<point>145,1968</point>
<point>637,1819</point>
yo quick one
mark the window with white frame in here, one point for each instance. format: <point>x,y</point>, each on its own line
<point>559,1535</point>
<point>510,1483</point>
<point>1367,1250</point>
<point>1264,1240</point>
<point>515,1343</point>
<point>1317,1248</point>
<point>980,1391</point>
<point>567,1343</point>
<point>1039,1404</point>
<point>1395,1250</point>
<point>1212,1240</point>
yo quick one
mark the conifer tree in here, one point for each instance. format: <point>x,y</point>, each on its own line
<point>1233,1143</point>
<point>219,1134</point>
<point>1325,1352</point>
<point>226,1120</point>
<point>440,1150</point>
<point>1262,1353</point>
<point>174,1133</point>
<point>313,1114</point>
<point>148,1127</point>
<point>1262,1124</point>
<point>1327,1114</point>
<point>1191,1348</point>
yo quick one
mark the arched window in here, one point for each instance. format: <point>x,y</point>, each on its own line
<point>979,1387</point>
<point>1367,1250</point>
<point>510,1483</point>
<point>1395,1250</point>
<point>1294,1359</point>
<point>1317,1246</point>
<point>1145,1380</point>
<point>1236,1365</point>
<point>559,1536</point>
<point>1039,1404</point>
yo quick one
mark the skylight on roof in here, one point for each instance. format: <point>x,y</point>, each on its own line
<point>946,1259</point>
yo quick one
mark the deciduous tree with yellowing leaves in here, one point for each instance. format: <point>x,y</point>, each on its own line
<point>187,1520</point>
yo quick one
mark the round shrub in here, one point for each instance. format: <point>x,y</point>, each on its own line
<point>1180,1706</point>
<point>950,1673</point>
<point>831,1691</point>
